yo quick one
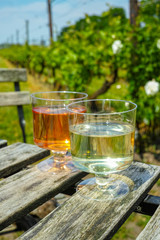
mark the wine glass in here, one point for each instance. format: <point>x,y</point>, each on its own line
<point>102,143</point>
<point>51,127</point>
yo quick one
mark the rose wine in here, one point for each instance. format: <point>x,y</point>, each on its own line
<point>103,147</point>
<point>51,127</point>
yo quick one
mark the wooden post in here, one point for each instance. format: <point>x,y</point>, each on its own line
<point>17,36</point>
<point>50,21</point>
<point>27,31</point>
<point>133,11</point>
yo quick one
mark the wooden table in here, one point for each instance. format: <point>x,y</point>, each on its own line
<point>23,187</point>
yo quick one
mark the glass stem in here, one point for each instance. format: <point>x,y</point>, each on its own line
<point>102,182</point>
<point>61,156</point>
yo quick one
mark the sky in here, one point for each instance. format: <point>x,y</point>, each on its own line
<point>15,13</point>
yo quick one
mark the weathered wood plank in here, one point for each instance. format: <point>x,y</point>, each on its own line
<point>81,218</point>
<point>13,75</point>
<point>14,98</point>
<point>152,229</point>
<point>3,143</point>
<point>24,191</point>
<point>19,155</point>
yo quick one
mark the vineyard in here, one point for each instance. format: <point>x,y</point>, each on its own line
<point>107,57</point>
<point>105,52</point>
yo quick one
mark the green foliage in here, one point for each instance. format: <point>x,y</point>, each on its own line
<point>144,66</point>
<point>150,10</point>
<point>97,22</point>
<point>83,57</point>
<point>83,52</point>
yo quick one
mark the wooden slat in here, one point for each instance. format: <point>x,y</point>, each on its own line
<point>152,229</point>
<point>13,75</point>
<point>3,143</point>
<point>14,98</point>
<point>18,156</point>
<point>28,189</point>
<point>81,218</point>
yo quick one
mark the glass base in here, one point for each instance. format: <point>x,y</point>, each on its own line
<point>57,165</point>
<point>105,189</point>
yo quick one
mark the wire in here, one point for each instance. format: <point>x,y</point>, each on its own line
<point>73,6</point>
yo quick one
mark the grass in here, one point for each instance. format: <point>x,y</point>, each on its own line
<point>132,227</point>
<point>9,123</point>
<point>10,128</point>
<point>2,63</point>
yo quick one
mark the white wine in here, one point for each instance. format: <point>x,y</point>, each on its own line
<point>102,147</point>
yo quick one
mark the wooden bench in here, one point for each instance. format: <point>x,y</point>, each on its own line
<point>17,98</point>
<point>152,229</point>
<point>78,218</point>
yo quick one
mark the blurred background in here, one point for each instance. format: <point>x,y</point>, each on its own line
<point>108,49</point>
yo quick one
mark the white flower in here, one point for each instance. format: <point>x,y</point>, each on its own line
<point>126,104</point>
<point>118,86</point>
<point>145,120</point>
<point>157,109</point>
<point>116,46</point>
<point>151,87</point>
<point>158,43</point>
<point>113,36</point>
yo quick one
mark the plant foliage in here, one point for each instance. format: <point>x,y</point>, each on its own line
<point>84,54</point>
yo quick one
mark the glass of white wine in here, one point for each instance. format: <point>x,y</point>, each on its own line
<point>102,143</point>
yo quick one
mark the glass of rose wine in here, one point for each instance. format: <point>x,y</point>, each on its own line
<point>51,127</point>
<point>102,143</point>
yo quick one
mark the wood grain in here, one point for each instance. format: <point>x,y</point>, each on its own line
<point>18,156</point>
<point>14,98</point>
<point>13,75</point>
<point>24,191</point>
<point>152,229</point>
<point>81,218</point>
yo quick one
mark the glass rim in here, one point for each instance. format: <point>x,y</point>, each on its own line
<point>106,99</point>
<point>54,99</point>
